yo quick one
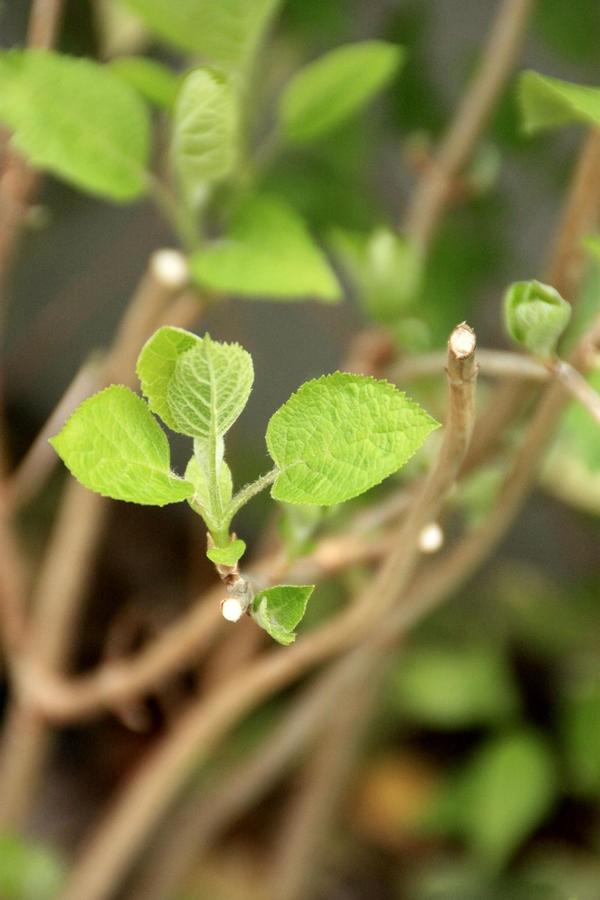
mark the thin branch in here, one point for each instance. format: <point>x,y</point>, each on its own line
<point>476,107</point>
<point>492,363</point>
<point>578,387</point>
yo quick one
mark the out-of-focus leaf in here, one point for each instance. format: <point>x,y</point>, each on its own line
<point>580,731</point>
<point>76,119</point>
<point>453,688</point>
<point>28,871</point>
<point>155,82</point>
<point>509,787</point>
<point>548,102</point>
<point>331,89</point>
<point>225,32</point>
<point>572,30</point>
<point>269,253</point>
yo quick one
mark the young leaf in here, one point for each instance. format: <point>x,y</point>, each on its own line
<point>154,81</point>
<point>339,435</point>
<point>209,388</point>
<point>269,253</point>
<point>580,733</point>
<point>547,102</point>
<point>76,119</point>
<point>205,134</point>
<point>113,445</point>
<point>508,789</point>
<point>326,92</point>
<point>536,315</point>
<point>227,556</point>
<point>201,497</point>
<point>225,32</point>
<point>281,609</point>
<point>156,366</point>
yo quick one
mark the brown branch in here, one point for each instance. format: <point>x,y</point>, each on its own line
<point>492,364</point>
<point>498,59</point>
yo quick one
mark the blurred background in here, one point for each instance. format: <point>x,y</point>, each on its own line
<point>479,775</point>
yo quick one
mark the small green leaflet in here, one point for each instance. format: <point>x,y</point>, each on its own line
<point>269,253</point>
<point>154,81</point>
<point>156,366</point>
<point>76,119</point>
<point>209,388</point>
<point>279,610</point>
<point>327,92</point>
<point>339,435</point>
<point>227,556</point>
<point>205,133</point>
<point>29,870</point>
<point>536,315</point>
<point>224,32</point>
<point>113,445</point>
<point>548,102</point>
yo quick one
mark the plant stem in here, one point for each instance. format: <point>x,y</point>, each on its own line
<point>249,491</point>
<point>474,111</point>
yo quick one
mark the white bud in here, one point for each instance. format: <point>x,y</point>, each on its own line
<point>232,609</point>
<point>431,538</point>
<point>169,267</point>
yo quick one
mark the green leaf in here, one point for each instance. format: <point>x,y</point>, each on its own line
<point>227,556</point>
<point>547,102</point>
<point>156,366</point>
<point>28,871</point>
<point>339,435</point>
<point>209,388</point>
<point>536,315</point>
<point>199,478</point>
<point>154,81</point>
<point>509,787</point>
<point>205,133</point>
<point>269,253</point>
<point>580,732</point>
<point>281,609</point>
<point>454,688</point>
<point>76,119</point>
<point>327,92</point>
<point>225,32</point>
<point>113,445</point>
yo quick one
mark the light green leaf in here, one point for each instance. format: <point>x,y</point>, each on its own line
<point>225,32</point>
<point>154,81</point>
<point>279,610</point>
<point>327,92</point>
<point>205,133</point>
<point>580,732</point>
<point>113,445</point>
<point>28,871</point>
<point>454,688</point>
<point>209,388</point>
<point>227,556</point>
<point>536,315</point>
<point>156,366</point>
<point>547,102</point>
<point>339,435</point>
<point>76,119</point>
<point>269,253</point>
<point>198,477</point>
<point>508,790</point>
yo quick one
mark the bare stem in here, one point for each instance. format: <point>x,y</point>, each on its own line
<point>498,58</point>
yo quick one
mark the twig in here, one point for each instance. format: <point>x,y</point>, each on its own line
<point>492,363</point>
<point>475,109</point>
<point>578,387</point>
<point>143,800</point>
